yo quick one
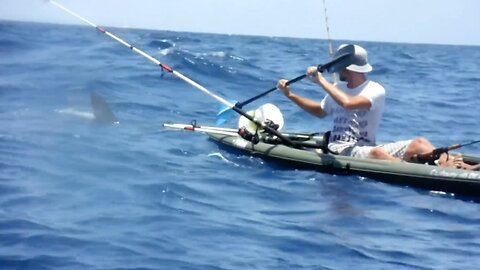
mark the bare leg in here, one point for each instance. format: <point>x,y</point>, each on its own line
<point>421,146</point>
<point>380,153</point>
<point>418,146</point>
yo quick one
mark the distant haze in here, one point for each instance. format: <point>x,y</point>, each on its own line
<point>420,21</point>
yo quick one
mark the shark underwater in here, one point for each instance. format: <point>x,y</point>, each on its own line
<point>100,113</point>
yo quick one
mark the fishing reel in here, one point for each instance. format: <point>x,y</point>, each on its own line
<point>429,158</point>
<point>245,133</point>
<point>249,136</point>
<point>269,123</point>
<point>267,117</point>
<point>435,154</point>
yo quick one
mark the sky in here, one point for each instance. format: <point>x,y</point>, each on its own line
<point>410,21</point>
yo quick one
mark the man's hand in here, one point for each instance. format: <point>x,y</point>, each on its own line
<point>314,75</point>
<point>282,85</point>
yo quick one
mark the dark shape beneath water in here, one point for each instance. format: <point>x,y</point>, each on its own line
<point>101,110</point>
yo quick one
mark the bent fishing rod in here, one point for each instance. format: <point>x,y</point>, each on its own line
<point>270,129</point>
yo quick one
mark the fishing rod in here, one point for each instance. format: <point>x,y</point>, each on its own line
<point>312,140</point>
<point>195,127</point>
<point>330,43</point>
<point>433,155</point>
<point>269,128</point>
<point>142,53</point>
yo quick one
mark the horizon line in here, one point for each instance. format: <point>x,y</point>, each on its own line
<point>242,34</point>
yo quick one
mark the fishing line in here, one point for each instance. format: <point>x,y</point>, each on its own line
<point>330,44</point>
<point>144,54</point>
<point>176,73</point>
<point>470,143</point>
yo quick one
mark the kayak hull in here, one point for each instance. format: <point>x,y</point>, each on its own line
<point>449,180</point>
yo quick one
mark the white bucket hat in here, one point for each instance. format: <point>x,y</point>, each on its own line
<point>357,61</point>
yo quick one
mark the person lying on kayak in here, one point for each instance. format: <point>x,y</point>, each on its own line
<point>356,105</point>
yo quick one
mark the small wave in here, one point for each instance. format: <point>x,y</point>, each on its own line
<point>166,51</point>
<point>77,113</point>
<point>216,54</point>
<point>473,80</point>
<point>217,154</point>
<point>22,224</point>
<point>164,46</point>
<point>161,44</point>
<point>218,64</point>
<point>406,56</point>
<point>9,45</point>
<point>219,54</point>
<point>42,262</point>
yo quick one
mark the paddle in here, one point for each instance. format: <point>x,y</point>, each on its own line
<point>165,67</point>
<point>224,113</point>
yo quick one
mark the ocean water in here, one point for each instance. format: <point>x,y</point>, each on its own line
<point>78,194</point>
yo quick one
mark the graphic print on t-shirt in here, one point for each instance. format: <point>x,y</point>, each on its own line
<point>355,127</point>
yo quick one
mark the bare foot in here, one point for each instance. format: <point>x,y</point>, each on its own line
<point>475,167</point>
<point>456,161</point>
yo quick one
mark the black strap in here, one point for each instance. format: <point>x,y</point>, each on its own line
<point>325,142</point>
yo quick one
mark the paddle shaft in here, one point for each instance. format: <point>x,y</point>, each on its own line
<point>248,101</point>
<point>320,68</point>
<point>176,73</point>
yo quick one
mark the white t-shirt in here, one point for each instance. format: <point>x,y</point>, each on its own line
<point>355,127</point>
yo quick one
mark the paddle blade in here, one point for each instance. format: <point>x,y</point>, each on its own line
<point>224,114</point>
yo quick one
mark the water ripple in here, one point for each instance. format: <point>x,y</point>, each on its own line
<point>78,194</point>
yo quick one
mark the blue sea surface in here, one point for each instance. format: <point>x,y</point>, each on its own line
<point>78,194</point>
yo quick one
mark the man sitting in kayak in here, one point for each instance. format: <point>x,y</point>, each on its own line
<point>356,105</point>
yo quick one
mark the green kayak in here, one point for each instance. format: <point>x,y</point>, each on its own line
<point>310,156</point>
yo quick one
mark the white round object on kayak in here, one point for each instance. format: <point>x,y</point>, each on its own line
<point>266,112</point>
